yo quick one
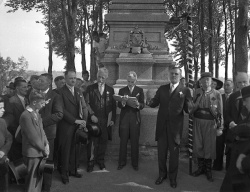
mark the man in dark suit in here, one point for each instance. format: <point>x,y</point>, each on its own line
<point>17,104</point>
<point>74,115</point>
<point>220,140</point>
<point>173,100</point>
<point>236,112</point>
<point>101,107</point>
<point>130,120</point>
<point>51,114</point>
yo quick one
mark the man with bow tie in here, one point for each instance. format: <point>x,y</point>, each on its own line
<point>51,114</point>
<point>102,110</point>
<point>172,100</point>
<point>130,121</point>
<point>74,115</point>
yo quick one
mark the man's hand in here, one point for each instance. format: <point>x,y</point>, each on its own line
<point>111,123</point>
<point>232,124</point>
<point>80,122</point>
<point>148,101</point>
<point>46,150</point>
<point>1,154</point>
<point>94,119</point>
<point>239,161</point>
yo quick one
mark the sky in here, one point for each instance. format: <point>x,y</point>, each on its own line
<point>20,35</point>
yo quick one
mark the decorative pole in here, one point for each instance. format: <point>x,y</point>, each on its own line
<point>190,80</point>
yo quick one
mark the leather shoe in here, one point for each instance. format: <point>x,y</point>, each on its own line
<point>160,180</point>
<point>77,175</point>
<point>135,168</point>
<point>120,167</point>
<point>102,166</point>
<point>173,183</point>
<point>65,179</point>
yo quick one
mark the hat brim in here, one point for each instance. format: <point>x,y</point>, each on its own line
<point>219,83</point>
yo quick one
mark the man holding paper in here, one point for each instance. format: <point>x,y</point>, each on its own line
<point>131,103</point>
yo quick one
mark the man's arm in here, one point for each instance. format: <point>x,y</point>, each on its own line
<point>141,99</point>
<point>56,114</point>
<point>154,102</point>
<point>113,106</point>
<point>8,141</point>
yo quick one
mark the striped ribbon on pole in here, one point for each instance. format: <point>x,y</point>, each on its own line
<point>191,86</point>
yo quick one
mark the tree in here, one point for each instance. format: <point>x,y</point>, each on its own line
<point>10,70</point>
<point>241,54</point>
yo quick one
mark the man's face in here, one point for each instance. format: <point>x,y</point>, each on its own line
<point>70,78</point>
<point>183,82</point>
<point>175,76</point>
<point>228,87</point>
<point>85,77</point>
<point>60,83</point>
<point>1,109</point>
<point>246,103</point>
<point>44,83</point>
<point>101,77</point>
<point>131,81</point>
<point>206,82</point>
<point>22,89</point>
<point>34,84</point>
<point>241,81</point>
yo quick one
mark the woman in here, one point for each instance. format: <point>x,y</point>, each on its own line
<point>34,142</point>
<point>5,144</point>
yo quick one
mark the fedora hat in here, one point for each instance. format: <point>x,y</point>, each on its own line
<point>94,129</point>
<point>245,92</point>
<point>19,169</point>
<point>81,136</point>
<point>11,86</point>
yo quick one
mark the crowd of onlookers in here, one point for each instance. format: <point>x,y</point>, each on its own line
<point>39,126</point>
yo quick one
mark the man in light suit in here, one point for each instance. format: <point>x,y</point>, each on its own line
<point>74,115</point>
<point>51,114</point>
<point>130,121</point>
<point>16,106</point>
<point>173,100</point>
<point>101,106</point>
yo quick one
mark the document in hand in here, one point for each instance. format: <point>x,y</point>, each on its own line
<point>131,100</point>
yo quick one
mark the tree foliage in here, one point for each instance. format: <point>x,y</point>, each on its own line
<point>10,70</point>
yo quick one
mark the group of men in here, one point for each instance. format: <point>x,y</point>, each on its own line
<point>69,108</point>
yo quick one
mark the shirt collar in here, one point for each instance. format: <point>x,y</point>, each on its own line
<point>174,85</point>
<point>29,109</point>
<point>21,97</point>
<point>46,91</point>
<point>69,87</point>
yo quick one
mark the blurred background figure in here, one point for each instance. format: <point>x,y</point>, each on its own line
<point>10,91</point>
<point>183,82</point>
<point>59,82</point>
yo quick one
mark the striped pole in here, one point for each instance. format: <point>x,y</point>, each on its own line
<point>191,86</point>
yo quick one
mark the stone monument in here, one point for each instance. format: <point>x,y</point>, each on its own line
<point>137,43</point>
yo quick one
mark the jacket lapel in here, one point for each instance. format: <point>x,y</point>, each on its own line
<point>18,104</point>
<point>176,91</point>
<point>69,95</point>
<point>97,91</point>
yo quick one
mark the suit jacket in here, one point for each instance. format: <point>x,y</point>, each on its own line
<point>12,115</point>
<point>170,114</point>
<point>72,106</point>
<point>138,93</point>
<point>33,135</point>
<point>235,109</point>
<point>5,137</point>
<point>93,98</point>
<point>246,161</point>
<point>52,113</point>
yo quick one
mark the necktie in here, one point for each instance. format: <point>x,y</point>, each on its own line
<point>26,102</point>
<point>171,88</point>
<point>101,87</point>
<point>131,90</point>
<point>72,90</point>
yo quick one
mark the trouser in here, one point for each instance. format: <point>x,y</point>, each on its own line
<point>129,129</point>
<point>4,179</point>
<point>97,146</point>
<point>220,146</point>
<point>67,153</point>
<point>33,183</point>
<point>47,175</point>
<point>166,142</point>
